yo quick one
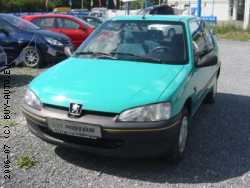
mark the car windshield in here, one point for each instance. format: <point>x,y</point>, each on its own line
<point>146,41</point>
<point>20,23</point>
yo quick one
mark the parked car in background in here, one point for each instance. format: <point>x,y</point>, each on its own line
<point>130,90</point>
<point>61,9</point>
<point>24,42</point>
<point>158,9</point>
<point>76,29</point>
<point>79,13</point>
<point>94,21</point>
<point>79,10</point>
<point>101,13</point>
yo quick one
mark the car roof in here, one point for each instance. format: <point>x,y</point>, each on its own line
<point>49,15</point>
<point>158,6</point>
<point>5,15</point>
<point>176,18</point>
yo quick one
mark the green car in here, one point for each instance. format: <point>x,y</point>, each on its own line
<point>129,90</point>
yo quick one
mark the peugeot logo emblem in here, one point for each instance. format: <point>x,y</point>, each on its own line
<point>75,109</point>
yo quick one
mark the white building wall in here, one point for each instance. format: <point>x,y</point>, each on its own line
<point>246,24</point>
<point>219,8</point>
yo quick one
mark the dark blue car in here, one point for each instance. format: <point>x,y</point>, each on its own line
<point>23,42</point>
<point>3,59</point>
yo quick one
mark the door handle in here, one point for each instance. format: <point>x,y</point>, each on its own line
<point>195,89</point>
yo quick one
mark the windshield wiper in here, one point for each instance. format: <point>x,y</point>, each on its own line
<point>84,53</point>
<point>141,57</point>
<point>97,54</point>
<point>112,54</point>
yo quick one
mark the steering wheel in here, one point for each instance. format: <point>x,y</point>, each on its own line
<point>160,48</point>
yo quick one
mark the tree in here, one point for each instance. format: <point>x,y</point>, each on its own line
<point>28,5</point>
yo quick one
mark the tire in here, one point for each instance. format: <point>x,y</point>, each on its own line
<point>211,96</point>
<point>180,144</point>
<point>31,57</point>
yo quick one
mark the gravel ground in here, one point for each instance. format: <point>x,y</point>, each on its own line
<point>218,153</point>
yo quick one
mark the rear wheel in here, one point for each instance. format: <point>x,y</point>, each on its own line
<point>179,147</point>
<point>31,57</point>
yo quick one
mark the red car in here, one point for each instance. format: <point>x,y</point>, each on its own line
<point>74,28</point>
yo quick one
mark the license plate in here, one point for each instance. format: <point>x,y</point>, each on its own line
<point>73,128</point>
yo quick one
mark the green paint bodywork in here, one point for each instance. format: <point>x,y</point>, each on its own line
<point>116,85</point>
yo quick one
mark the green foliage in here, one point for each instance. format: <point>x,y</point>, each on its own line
<point>10,123</point>
<point>28,5</point>
<point>232,32</point>
<point>26,162</point>
<point>137,4</point>
<point>222,29</point>
<point>78,4</point>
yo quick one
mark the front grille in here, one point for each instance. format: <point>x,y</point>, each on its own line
<point>85,112</point>
<point>98,143</point>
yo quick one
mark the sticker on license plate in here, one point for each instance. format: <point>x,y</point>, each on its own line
<point>73,128</point>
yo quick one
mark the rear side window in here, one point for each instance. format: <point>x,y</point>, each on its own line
<point>45,22</point>
<point>67,23</point>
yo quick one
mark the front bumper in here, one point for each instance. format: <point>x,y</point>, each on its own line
<point>118,138</point>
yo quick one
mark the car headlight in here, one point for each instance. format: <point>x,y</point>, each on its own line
<point>32,100</point>
<point>154,112</point>
<point>53,42</point>
<point>68,51</point>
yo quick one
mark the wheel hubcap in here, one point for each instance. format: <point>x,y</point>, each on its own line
<point>31,56</point>
<point>183,134</point>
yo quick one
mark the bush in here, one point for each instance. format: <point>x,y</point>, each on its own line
<point>28,5</point>
<point>232,32</point>
<point>223,29</point>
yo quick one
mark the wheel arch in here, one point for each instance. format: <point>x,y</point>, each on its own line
<point>188,105</point>
<point>39,51</point>
<point>218,73</point>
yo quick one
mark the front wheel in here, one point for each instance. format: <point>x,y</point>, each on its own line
<point>179,147</point>
<point>31,57</point>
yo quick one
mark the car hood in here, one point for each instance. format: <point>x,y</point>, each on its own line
<point>103,85</point>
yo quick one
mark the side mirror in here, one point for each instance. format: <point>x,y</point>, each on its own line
<point>4,31</point>
<point>210,60</point>
<point>204,58</point>
<point>196,53</point>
